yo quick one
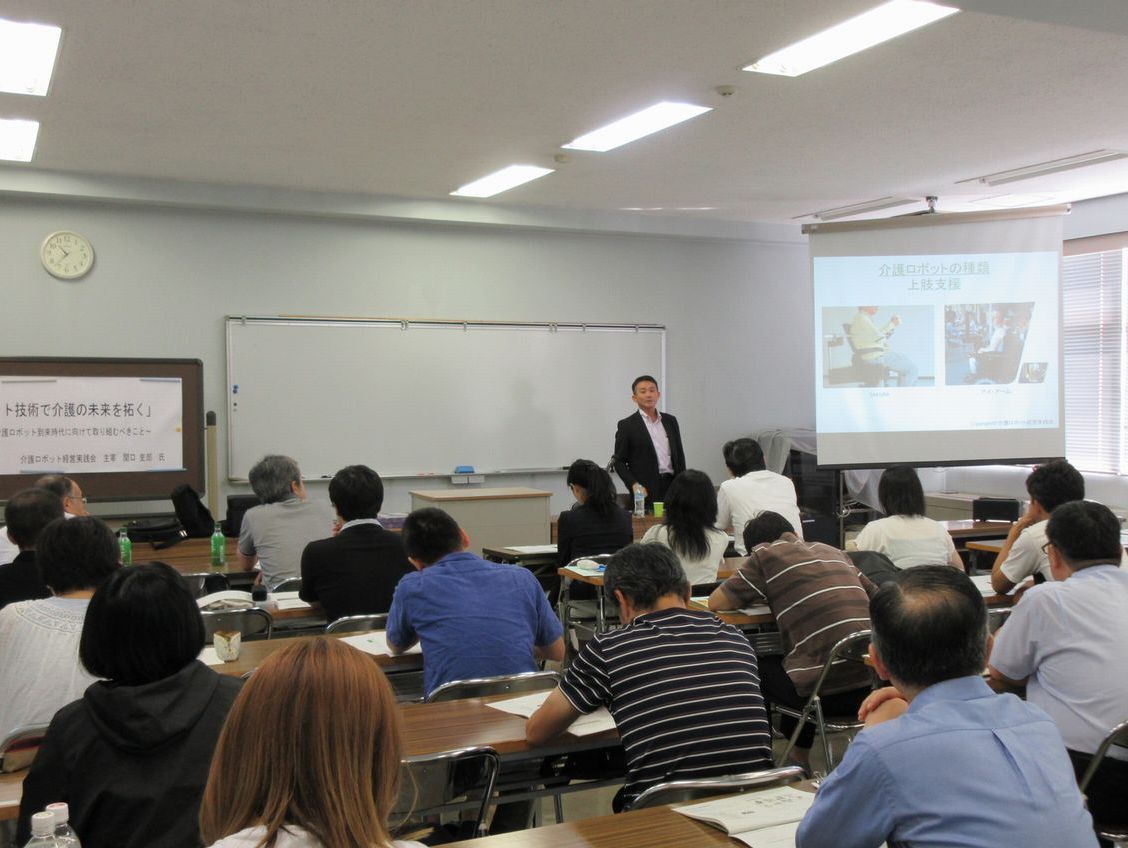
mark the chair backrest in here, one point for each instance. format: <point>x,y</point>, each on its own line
<point>204,583</point>
<point>849,338</point>
<point>354,623</point>
<point>429,782</point>
<point>679,791</point>
<point>1118,736</point>
<point>530,681</point>
<point>19,747</point>
<point>251,622</point>
<point>852,648</point>
<point>293,584</point>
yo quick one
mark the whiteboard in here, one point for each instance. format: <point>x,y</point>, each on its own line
<point>413,398</point>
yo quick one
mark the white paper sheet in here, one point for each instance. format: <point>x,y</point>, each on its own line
<point>983,584</point>
<point>208,656</point>
<point>762,609</point>
<point>293,604</point>
<point>752,812</point>
<point>780,836</point>
<point>376,643</point>
<point>533,549</point>
<point>586,725</point>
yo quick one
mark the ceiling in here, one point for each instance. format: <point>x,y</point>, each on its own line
<point>413,98</point>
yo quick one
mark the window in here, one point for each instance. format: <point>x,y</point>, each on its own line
<point>1093,312</point>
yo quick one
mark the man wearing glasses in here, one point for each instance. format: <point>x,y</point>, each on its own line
<point>74,504</point>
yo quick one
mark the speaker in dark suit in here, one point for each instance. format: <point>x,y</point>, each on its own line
<point>636,458</point>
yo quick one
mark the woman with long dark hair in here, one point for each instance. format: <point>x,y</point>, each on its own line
<point>688,528</point>
<point>596,524</point>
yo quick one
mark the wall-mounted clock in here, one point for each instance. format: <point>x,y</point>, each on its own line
<point>67,255</point>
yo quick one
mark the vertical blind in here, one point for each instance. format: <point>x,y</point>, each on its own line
<point>1093,312</point>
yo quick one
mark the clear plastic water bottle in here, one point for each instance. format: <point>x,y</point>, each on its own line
<point>126,547</point>
<point>42,831</point>
<point>64,833</point>
<point>639,501</point>
<point>218,547</point>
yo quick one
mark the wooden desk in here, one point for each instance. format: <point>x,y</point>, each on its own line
<point>253,653</point>
<point>991,547</point>
<point>192,556</point>
<point>737,618</point>
<point>657,827</point>
<point>965,528</point>
<point>493,517</point>
<point>427,729</point>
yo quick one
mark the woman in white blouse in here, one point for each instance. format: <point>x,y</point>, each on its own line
<point>688,528</point>
<point>905,535</point>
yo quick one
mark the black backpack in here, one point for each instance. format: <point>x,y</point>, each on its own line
<point>195,517</point>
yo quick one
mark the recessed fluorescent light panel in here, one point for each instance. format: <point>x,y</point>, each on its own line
<point>887,21</point>
<point>1054,166</point>
<point>502,180</point>
<point>859,208</point>
<point>17,139</point>
<point>27,56</point>
<point>633,127</point>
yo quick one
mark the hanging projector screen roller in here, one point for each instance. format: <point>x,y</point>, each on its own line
<point>938,339</point>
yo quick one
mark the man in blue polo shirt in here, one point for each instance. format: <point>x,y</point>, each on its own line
<point>944,760</point>
<point>474,618</point>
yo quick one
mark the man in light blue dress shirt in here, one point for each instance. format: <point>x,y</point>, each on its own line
<point>945,761</point>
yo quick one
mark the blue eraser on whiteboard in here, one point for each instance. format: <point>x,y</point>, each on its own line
<point>464,469</point>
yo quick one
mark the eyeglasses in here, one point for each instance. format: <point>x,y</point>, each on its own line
<point>1045,547</point>
<point>76,498</point>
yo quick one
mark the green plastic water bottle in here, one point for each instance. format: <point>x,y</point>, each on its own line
<point>126,547</point>
<point>218,547</point>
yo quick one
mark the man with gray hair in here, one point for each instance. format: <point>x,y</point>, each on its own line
<point>275,532</point>
<point>682,686</point>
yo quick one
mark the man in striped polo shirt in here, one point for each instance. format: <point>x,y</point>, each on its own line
<point>817,597</point>
<point>682,686</point>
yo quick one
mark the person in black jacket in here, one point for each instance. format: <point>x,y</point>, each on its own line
<point>25,515</point>
<point>648,446</point>
<point>131,757</point>
<point>596,524</point>
<point>356,571</point>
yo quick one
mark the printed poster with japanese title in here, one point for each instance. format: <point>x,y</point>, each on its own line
<point>90,424</point>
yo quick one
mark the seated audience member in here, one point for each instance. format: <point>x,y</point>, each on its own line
<point>39,663</point>
<point>356,571</point>
<point>474,618</point>
<point>131,756</point>
<point>595,524</point>
<point>309,756</point>
<point>275,532</point>
<point>752,490</point>
<point>956,764</point>
<point>682,686</point>
<point>688,527</point>
<point>1023,553</point>
<point>64,488</point>
<point>1067,643</point>
<point>905,535</point>
<point>25,515</point>
<point>817,597</point>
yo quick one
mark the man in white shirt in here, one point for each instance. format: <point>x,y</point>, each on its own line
<point>1066,643</point>
<point>1023,553</point>
<point>752,490</point>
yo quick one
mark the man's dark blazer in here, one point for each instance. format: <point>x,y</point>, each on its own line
<point>635,458</point>
<point>20,580</point>
<point>354,572</point>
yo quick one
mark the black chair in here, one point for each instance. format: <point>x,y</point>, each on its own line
<point>1118,737</point>
<point>431,784</point>
<point>357,623</point>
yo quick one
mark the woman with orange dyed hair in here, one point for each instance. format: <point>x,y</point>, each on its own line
<point>309,756</point>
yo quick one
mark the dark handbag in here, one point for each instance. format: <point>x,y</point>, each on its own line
<point>153,530</point>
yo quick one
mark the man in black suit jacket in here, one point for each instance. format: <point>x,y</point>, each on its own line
<point>356,571</point>
<point>645,453</point>
<point>26,514</point>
